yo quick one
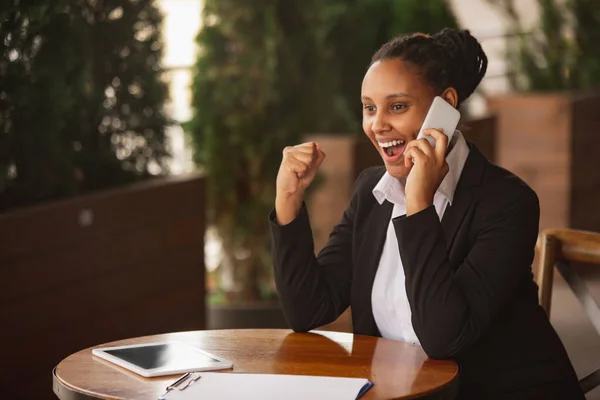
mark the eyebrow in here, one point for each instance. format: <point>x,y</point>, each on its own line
<point>389,96</point>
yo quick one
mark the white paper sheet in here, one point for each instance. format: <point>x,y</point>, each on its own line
<point>234,386</point>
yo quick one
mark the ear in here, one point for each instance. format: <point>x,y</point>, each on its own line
<point>451,96</point>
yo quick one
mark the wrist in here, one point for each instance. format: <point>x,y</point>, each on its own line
<point>287,208</point>
<point>417,204</point>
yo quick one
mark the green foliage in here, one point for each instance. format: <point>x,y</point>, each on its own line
<point>586,20</point>
<point>560,53</point>
<point>268,72</point>
<point>259,67</point>
<point>81,97</point>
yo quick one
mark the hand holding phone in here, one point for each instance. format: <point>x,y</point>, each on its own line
<point>442,116</point>
<point>425,177</point>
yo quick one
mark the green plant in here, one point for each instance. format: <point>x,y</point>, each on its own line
<point>81,97</point>
<point>260,65</point>
<point>267,72</point>
<point>560,51</point>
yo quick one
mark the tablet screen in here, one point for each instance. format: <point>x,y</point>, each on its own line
<point>164,355</point>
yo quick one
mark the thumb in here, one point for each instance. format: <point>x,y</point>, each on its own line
<point>312,172</point>
<point>320,157</point>
<point>407,158</point>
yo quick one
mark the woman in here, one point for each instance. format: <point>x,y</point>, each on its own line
<point>433,249</point>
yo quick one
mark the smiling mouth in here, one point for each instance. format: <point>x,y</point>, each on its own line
<point>392,148</point>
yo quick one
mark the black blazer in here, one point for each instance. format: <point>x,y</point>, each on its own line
<point>468,279</point>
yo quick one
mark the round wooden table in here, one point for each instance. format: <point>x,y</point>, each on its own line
<point>398,370</point>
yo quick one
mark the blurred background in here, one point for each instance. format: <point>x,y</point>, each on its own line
<point>140,140</point>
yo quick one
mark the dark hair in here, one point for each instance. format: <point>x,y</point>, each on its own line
<point>450,58</point>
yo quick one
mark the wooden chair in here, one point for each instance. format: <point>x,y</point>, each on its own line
<point>560,248</point>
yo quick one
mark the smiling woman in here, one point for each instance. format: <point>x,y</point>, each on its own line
<point>450,64</point>
<point>434,249</point>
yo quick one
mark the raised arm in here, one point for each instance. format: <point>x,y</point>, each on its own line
<point>313,290</point>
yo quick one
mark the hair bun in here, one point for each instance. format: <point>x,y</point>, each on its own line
<point>450,58</point>
<point>466,59</point>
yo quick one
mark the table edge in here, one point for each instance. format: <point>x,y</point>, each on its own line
<point>65,392</point>
<point>447,392</point>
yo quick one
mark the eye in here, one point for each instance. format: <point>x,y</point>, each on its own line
<point>369,107</point>
<point>398,107</point>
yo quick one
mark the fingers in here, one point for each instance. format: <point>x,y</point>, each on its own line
<point>306,148</point>
<point>421,144</point>
<point>303,159</point>
<point>296,166</point>
<point>307,158</point>
<point>424,145</point>
<point>415,155</point>
<point>303,151</point>
<point>441,141</point>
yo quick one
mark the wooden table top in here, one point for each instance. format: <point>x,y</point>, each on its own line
<point>398,370</point>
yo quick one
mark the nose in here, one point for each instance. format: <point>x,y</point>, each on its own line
<point>380,123</point>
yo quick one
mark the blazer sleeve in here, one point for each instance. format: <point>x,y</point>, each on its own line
<point>313,291</point>
<point>452,310</point>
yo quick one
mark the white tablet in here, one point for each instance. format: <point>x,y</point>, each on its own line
<point>156,359</point>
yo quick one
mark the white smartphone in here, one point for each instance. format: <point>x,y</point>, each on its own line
<point>158,359</point>
<point>441,115</point>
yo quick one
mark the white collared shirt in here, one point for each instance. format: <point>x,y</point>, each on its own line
<point>389,300</point>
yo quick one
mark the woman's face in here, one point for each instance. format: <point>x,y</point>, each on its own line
<point>395,102</point>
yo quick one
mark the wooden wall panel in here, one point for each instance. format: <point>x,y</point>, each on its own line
<point>550,141</point>
<point>136,269</point>
<point>482,132</point>
<point>63,216</point>
<point>585,163</point>
<point>364,155</point>
<point>534,143</point>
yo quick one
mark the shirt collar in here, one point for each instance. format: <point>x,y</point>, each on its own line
<point>392,189</point>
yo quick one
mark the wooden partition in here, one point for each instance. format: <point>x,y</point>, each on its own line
<point>84,271</point>
<point>482,132</point>
<point>584,196</point>
<point>551,142</point>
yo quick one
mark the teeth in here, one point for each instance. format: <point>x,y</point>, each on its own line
<point>391,143</point>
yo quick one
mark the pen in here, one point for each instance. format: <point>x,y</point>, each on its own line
<point>175,385</point>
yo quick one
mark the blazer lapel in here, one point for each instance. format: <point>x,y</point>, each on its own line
<point>464,195</point>
<point>375,234</point>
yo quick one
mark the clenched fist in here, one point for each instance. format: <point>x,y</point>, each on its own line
<point>298,169</point>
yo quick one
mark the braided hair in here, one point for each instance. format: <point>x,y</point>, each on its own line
<point>450,58</point>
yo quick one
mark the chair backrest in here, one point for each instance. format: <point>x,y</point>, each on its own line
<point>559,247</point>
